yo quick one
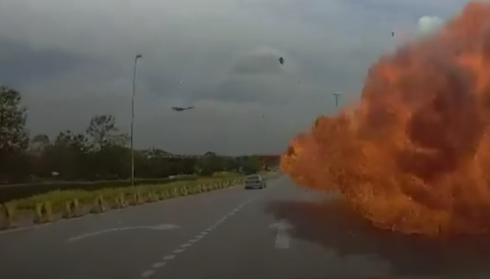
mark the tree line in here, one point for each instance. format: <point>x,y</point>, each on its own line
<point>101,152</point>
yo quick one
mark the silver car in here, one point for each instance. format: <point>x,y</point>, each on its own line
<point>255,181</point>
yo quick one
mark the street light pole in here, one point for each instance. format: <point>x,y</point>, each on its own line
<point>337,94</point>
<point>132,118</point>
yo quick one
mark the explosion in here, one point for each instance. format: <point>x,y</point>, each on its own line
<point>414,155</point>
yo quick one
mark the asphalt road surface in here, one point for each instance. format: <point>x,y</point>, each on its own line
<point>282,232</point>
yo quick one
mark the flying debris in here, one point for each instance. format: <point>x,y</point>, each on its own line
<point>393,34</point>
<point>182,108</point>
<point>281,60</point>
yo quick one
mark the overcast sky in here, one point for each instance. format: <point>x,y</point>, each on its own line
<point>74,59</point>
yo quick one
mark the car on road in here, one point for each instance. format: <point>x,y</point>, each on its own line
<point>255,181</point>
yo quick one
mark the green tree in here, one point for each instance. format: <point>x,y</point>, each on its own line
<point>100,153</point>
<point>250,164</point>
<point>68,156</point>
<point>14,137</point>
<point>187,166</point>
<point>39,142</point>
<point>13,116</point>
<point>110,159</point>
<point>209,154</point>
<point>233,164</point>
<point>151,163</point>
<point>103,131</point>
<point>37,148</point>
<point>209,164</point>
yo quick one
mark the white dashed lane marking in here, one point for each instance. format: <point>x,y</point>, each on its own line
<point>147,273</point>
<point>178,251</point>
<point>150,272</point>
<point>158,265</point>
<point>169,257</point>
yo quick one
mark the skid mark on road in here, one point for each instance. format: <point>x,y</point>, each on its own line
<point>182,248</point>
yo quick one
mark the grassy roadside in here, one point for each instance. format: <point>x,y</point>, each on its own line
<point>60,204</point>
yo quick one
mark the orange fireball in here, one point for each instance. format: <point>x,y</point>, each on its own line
<point>414,155</point>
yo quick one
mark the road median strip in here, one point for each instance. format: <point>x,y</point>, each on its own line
<point>71,204</point>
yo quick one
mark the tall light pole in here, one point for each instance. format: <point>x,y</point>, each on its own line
<point>337,94</point>
<point>132,118</point>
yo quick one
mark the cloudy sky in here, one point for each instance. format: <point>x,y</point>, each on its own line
<point>74,59</point>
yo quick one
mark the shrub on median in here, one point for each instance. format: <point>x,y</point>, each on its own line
<point>59,201</point>
<point>21,191</point>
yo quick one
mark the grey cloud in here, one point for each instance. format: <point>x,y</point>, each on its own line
<point>20,64</point>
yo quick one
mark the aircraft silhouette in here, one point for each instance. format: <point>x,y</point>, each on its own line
<point>182,108</point>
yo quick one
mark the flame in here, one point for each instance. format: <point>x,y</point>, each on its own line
<point>414,154</point>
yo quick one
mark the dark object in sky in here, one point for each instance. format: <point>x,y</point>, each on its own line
<point>393,34</point>
<point>281,60</point>
<point>182,108</point>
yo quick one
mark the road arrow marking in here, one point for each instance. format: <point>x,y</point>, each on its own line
<point>160,227</point>
<point>283,238</point>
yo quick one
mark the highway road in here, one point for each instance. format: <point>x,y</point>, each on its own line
<point>282,232</point>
